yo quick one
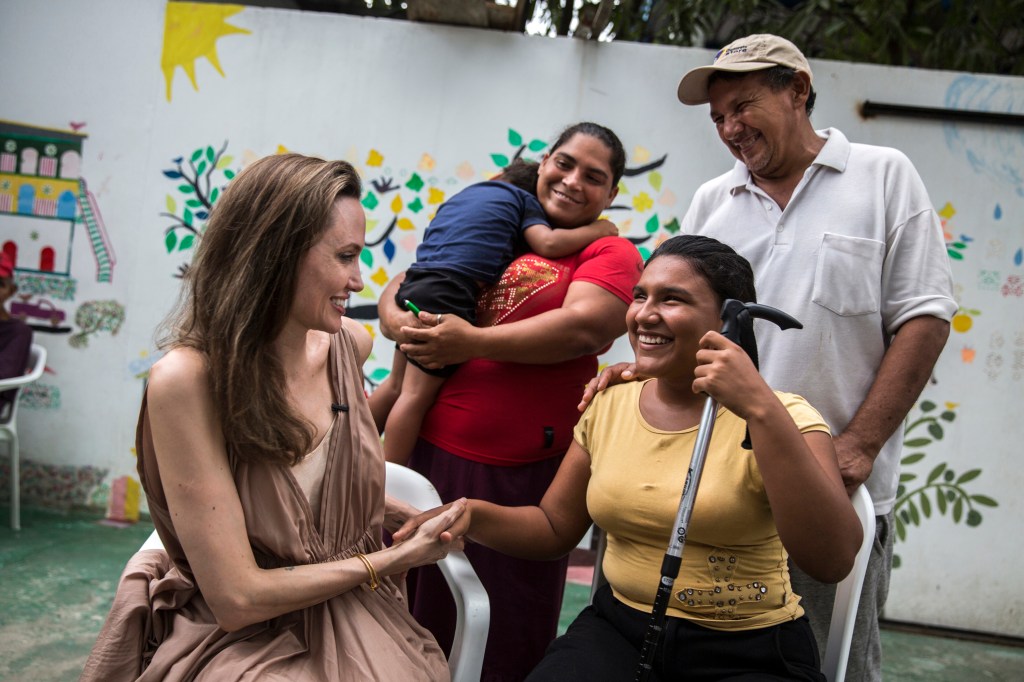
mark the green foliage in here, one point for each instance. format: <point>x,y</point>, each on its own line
<point>942,491</point>
<point>985,37</point>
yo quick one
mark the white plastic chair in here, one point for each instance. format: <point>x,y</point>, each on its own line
<point>471,601</point>
<point>473,606</point>
<point>9,425</point>
<point>844,612</point>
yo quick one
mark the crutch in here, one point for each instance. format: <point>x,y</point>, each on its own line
<point>738,327</point>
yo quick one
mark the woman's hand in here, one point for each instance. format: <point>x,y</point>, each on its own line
<point>459,528</point>
<point>612,375</point>
<point>440,340</point>
<point>428,537</point>
<point>396,513</point>
<point>726,373</point>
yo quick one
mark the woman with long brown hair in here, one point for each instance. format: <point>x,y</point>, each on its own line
<point>261,462</point>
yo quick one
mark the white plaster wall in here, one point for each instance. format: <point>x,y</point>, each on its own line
<point>343,87</point>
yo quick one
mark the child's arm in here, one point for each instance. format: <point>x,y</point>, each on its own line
<point>386,394</point>
<point>556,243</point>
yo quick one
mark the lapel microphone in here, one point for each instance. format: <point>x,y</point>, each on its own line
<point>339,407</point>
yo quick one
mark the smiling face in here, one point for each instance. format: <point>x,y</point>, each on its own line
<point>673,307</point>
<point>761,127</point>
<point>329,272</point>
<point>575,181</point>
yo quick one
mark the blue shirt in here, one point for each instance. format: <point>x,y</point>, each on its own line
<point>476,231</point>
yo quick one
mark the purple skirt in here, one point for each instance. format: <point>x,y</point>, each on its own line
<point>525,596</point>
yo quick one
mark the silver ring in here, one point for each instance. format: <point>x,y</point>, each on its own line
<point>439,316</point>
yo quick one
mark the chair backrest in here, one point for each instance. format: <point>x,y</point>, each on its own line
<point>471,602</point>
<point>37,363</point>
<point>844,612</point>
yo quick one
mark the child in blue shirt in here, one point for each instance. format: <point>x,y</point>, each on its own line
<point>473,237</point>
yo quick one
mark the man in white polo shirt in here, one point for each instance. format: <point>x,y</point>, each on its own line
<point>843,237</point>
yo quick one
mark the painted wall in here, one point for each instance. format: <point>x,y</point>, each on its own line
<point>169,101</point>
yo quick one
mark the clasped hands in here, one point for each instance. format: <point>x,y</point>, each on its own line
<point>435,340</point>
<point>457,528</point>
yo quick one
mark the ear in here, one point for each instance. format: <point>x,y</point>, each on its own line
<point>800,89</point>
<point>614,193</point>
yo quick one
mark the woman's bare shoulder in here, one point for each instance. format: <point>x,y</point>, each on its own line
<point>364,342</point>
<point>181,373</point>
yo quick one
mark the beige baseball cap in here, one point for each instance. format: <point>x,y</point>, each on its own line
<point>752,53</point>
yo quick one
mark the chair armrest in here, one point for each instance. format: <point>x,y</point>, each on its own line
<point>37,359</point>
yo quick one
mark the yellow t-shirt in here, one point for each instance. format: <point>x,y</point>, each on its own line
<point>734,573</point>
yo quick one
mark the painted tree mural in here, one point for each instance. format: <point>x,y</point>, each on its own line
<point>942,492</point>
<point>199,182</point>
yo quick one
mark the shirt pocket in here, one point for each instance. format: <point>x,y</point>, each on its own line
<point>848,277</point>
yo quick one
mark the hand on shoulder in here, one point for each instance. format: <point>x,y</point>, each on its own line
<point>612,375</point>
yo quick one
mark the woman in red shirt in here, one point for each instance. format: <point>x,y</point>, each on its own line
<point>502,423</point>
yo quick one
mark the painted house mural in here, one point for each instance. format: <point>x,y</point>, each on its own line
<point>43,198</point>
<point>183,95</point>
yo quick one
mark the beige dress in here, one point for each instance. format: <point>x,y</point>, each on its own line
<point>160,627</point>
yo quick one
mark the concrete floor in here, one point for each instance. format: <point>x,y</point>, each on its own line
<point>59,573</point>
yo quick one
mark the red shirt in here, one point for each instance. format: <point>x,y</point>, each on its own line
<point>509,413</point>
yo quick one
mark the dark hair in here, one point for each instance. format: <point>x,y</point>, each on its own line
<point>776,78</point>
<point>727,273</point>
<point>238,292</point>
<point>522,174</point>
<point>606,137</point>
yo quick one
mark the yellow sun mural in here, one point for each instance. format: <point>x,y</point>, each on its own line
<point>191,31</point>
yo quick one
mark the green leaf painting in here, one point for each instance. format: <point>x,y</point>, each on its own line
<point>198,183</point>
<point>942,491</point>
<point>415,182</point>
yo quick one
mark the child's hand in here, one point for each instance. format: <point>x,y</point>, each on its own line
<point>606,228</point>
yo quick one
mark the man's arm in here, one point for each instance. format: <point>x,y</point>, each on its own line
<point>590,318</point>
<point>901,377</point>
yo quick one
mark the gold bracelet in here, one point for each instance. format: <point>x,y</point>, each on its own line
<point>374,582</point>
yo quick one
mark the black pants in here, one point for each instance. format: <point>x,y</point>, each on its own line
<point>604,642</point>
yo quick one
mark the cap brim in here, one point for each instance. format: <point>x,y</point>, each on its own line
<point>693,88</point>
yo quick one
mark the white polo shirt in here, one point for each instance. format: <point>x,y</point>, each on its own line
<point>858,251</point>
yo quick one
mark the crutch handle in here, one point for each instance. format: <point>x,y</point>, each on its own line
<point>738,327</point>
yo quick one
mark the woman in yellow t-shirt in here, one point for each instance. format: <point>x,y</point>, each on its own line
<point>733,613</point>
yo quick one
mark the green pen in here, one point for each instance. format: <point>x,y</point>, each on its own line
<point>412,307</point>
